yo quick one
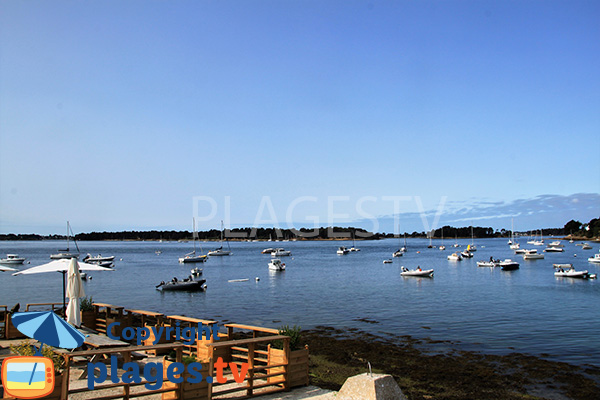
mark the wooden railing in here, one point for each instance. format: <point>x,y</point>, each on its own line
<point>259,370</point>
<point>126,353</point>
<point>107,314</point>
<point>53,306</point>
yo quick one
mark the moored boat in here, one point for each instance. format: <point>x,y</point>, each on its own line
<point>595,259</point>
<point>466,254</point>
<point>89,259</point>
<point>12,259</point>
<point>342,251</point>
<point>554,250</point>
<point>533,255</point>
<point>572,273</point>
<point>428,273</point>
<point>454,257</point>
<point>508,265</point>
<point>276,265</point>
<point>280,252</point>
<point>491,263</point>
<point>188,284</point>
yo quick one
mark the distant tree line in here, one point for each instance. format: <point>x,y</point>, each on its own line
<point>574,228</point>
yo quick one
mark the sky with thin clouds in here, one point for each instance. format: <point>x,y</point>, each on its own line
<point>129,115</point>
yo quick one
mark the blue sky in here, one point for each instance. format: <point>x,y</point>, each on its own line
<point>115,115</point>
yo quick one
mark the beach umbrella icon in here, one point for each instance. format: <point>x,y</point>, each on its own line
<point>47,328</point>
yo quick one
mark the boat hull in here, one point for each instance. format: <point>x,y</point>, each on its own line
<point>190,286</point>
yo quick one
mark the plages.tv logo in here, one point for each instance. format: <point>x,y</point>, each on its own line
<point>153,372</point>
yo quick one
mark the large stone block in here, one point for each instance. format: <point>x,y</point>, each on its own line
<point>370,387</point>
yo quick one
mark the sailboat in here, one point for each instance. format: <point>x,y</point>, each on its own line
<point>353,248</point>
<point>442,247</point>
<point>400,252</point>
<point>471,247</point>
<point>66,253</point>
<point>456,241</point>
<point>192,257</point>
<point>514,245</point>
<point>430,237</point>
<point>220,251</point>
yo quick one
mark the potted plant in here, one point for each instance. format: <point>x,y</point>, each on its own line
<point>88,313</point>
<point>186,390</point>
<point>26,348</point>
<point>297,362</point>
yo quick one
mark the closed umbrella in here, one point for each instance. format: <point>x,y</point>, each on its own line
<point>74,292</point>
<point>62,266</point>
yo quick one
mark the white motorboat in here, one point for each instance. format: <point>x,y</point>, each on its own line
<point>196,272</point>
<point>572,273</point>
<point>533,256</point>
<point>12,259</point>
<point>586,246</point>
<point>66,254</point>
<point>220,251</point>
<point>268,250</point>
<point>524,251</point>
<point>343,251</point>
<point>388,261</point>
<point>105,264</point>
<point>515,246</point>
<point>89,259</point>
<point>554,250</point>
<point>454,257</point>
<point>595,259</point>
<point>556,243</point>
<point>398,253</point>
<point>442,247</point>
<point>276,265</point>
<point>491,263</point>
<point>508,265</point>
<point>280,252</point>
<point>466,254</point>
<point>428,273</point>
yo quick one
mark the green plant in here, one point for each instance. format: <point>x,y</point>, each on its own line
<point>87,304</point>
<point>294,333</point>
<point>26,348</point>
<point>188,360</point>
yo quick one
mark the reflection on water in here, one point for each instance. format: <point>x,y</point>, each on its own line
<point>485,308</point>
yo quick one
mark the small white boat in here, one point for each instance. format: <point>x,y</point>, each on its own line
<point>193,258</point>
<point>442,247</point>
<point>556,243</point>
<point>525,251</point>
<point>89,259</point>
<point>105,264</point>
<point>428,273</point>
<point>158,252</point>
<point>343,251</point>
<point>491,264</point>
<point>586,246</point>
<point>466,254</point>
<point>572,273</point>
<point>454,257</point>
<point>196,272</point>
<point>398,253</point>
<point>12,259</point>
<point>276,265</point>
<point>563,266</point>
<point>595,259</point>
<point>554,250</point>
<point>388,261</point>
<point>268,251</point>
<point>533,256</point>
<point>508,265</point>
<point>280,252</point>
<point>515,246</point>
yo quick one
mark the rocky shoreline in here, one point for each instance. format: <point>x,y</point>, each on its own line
<point>454,374</point>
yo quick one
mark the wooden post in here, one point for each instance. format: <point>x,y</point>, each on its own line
<point>286,360</point>
<point>126,359</point>
<point>179,358</point>
<point>250,369</point>
<point>64,391</point>
<point>210,369</point>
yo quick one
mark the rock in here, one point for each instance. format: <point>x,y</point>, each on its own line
<point>370,387</point>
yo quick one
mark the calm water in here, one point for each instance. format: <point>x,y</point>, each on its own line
<point>528,310</point>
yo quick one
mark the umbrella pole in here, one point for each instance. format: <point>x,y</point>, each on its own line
<point>64,295</point>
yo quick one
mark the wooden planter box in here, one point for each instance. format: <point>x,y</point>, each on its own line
<point>297,367</point>
<point>88,319</point>
<point>55,395</point>
<point>188,390</point>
